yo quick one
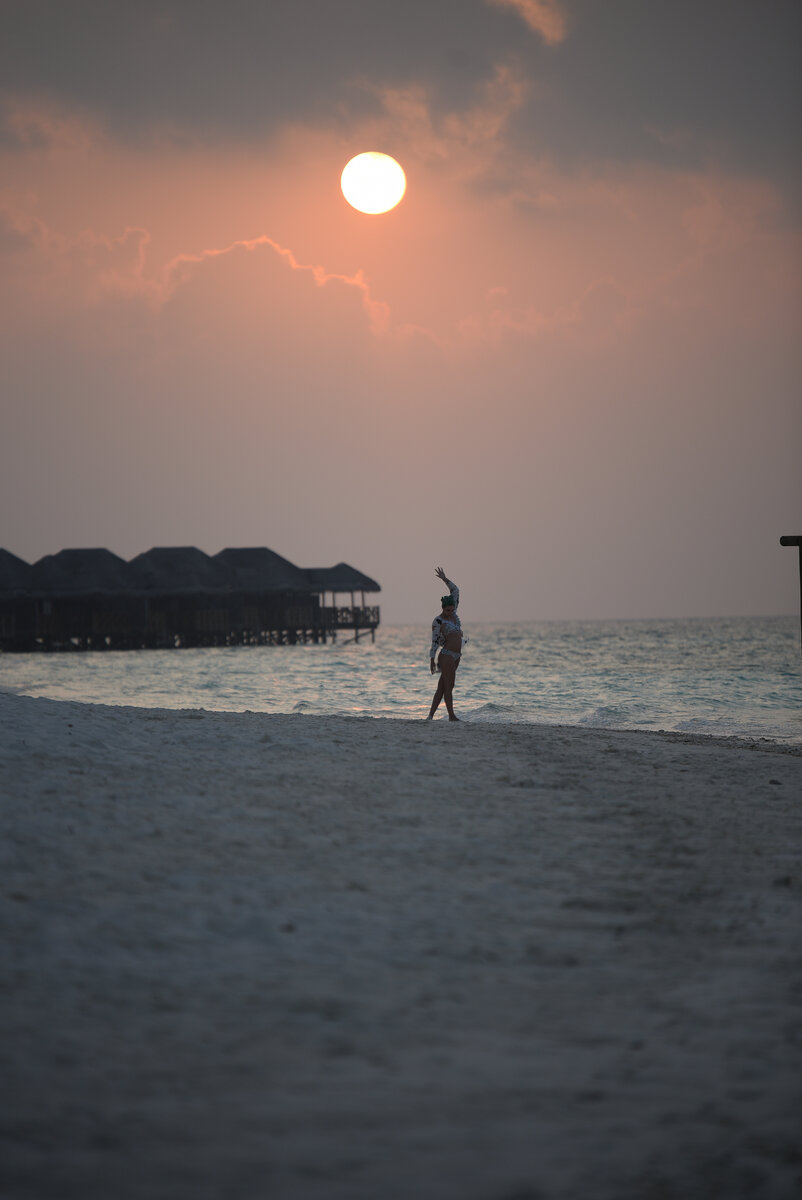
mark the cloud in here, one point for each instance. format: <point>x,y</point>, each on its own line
<point>106,264</point>
<point>38,125</point>
<point>464,145</point>
<point>410,115</point>
<point>581,255</point>
<point>377,311</point>
<point>500,97</point>
<point>23,230</point>
<point>598,316</point>
<point>545,17</point>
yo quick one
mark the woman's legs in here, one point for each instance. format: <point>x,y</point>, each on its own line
<point>438,696</point>
<point>445,688</point>
<point>448,674</point>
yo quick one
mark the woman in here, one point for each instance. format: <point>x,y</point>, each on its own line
<point>447,635</point>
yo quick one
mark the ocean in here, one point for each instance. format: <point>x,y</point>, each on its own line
<point>724,676</point>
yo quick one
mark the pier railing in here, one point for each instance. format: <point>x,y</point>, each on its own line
<point>350,618</point>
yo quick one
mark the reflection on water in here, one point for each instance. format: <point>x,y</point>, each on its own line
<point>726,676</point>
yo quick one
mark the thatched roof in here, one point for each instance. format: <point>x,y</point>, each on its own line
<point>81,572</point>
<point>257,569</point>
<point>170,569</point>
<point>16,576</point>
<point>341,578</point>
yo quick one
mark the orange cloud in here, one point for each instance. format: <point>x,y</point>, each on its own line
<point>486,244</point>
<point>107,264</point>
<point>545,17</point>
<point>377,311</point>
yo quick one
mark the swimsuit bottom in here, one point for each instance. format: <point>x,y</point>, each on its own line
<point>456,654</point>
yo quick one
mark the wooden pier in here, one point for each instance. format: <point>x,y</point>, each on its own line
<point>173,597</point>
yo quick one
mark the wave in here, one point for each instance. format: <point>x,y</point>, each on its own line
<point>616,716</point>
<point>497,712</point>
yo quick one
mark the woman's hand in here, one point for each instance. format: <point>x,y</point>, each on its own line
<point>431,660</point>
<point>440,573</point>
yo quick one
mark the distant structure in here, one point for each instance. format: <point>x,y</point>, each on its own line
<point>796,540</point>
<point>176,596</point>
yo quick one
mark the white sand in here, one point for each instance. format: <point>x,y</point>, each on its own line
<point>310,958</point>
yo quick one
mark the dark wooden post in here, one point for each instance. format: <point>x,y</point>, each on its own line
<point>796,541</point>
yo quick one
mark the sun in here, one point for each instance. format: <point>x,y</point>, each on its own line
<point>373,182</point>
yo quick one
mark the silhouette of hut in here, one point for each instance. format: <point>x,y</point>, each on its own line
<point>184,595</point>
<point>81,596</point>
<point>16,576</point>
<point>343,579</point>
<point>17,615</point>
<point>257,569</point>
<point>81,573</point>
<point>174,596</point>
<point>170,570</point>
<point>268,592</point>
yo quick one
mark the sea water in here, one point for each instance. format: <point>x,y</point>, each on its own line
<point>719,676</point>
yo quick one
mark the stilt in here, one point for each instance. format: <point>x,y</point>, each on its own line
<point>796,541</point>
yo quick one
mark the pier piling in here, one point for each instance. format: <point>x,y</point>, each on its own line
<point>792,540</point>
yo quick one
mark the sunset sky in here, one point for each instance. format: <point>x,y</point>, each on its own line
<point>567,366</point>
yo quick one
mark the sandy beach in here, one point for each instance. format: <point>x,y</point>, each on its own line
<point>252,956</point>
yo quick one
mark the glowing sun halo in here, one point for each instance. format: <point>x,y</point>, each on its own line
<point>373,182</point>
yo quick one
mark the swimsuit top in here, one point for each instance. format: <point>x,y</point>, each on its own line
<point>442,626</point>
<point>448,626</point>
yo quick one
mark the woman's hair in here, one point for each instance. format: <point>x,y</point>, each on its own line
<point>447,601</point>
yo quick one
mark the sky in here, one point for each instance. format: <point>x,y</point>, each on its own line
<point>566,367</point>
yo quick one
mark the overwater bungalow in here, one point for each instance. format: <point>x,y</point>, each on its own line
<point>174,596</point>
